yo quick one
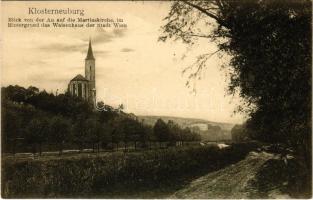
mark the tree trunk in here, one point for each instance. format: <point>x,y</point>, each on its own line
<point>14,145</point>
<point>60,148</point>
<point>40,150</point>
<point>34,149</point>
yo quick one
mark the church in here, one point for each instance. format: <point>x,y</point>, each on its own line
<point>85,86</point>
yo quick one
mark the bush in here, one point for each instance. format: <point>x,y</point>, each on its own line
<point>100,175</point>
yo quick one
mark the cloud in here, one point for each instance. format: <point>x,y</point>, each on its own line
<point>100,52</point>
<point>51,78</point>
<point>60,47</point>
<point>127,50</point>
<point>40,63</point>
<point>100,36</point>
<point>103,36</point>
<point>119,32</point>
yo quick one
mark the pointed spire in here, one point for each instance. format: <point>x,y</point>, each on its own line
<point>89,53</point>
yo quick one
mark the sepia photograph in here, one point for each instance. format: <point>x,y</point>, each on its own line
<point>182,99</point>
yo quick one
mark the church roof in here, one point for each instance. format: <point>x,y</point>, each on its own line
<point>89,53</point>
<point>79,77</point>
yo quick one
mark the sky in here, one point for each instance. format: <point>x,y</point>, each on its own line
<point>132,67</point>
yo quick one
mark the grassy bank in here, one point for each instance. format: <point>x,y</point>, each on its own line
<point>116,173</point>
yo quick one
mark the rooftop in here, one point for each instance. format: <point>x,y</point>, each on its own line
<point>89,53</point>
<point>79,77</point>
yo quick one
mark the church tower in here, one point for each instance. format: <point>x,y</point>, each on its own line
<point>90,74</point>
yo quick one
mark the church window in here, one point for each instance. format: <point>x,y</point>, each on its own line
<point>80,90</point>
<point>74,89</point>
<point>85,90</point>
<point>90,76</point>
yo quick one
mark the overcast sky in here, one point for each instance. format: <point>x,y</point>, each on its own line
<point>132,67</point>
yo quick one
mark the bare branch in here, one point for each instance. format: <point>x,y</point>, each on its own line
<point>221,22</point>
<point>200,63</point>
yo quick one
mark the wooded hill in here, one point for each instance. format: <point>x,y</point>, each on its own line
<point>184,122</point>
<point>34,120</point>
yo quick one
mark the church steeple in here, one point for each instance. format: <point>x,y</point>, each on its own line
<point>90,74</point>
<point>89,53</point>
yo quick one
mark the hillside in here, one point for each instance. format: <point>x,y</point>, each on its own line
<point>185,122</point>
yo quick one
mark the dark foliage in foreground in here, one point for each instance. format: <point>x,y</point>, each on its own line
<point>270,46</point>
<point>112,174</point>
<point>275,173</point>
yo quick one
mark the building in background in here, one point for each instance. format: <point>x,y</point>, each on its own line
<point>85,86</point>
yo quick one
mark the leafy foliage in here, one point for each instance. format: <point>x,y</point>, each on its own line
<point>270,68</point>
<point>114,173</point>
<point>161,130</point>
<point>37,119</point>
<point>239,133</point>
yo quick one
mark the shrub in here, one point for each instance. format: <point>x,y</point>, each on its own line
<point>91,175</point>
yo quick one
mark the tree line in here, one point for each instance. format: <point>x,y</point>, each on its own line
<point>33,119</point>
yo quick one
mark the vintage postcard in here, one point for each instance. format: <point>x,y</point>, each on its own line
<point>206,99</point>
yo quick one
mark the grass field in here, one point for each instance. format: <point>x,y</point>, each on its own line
<point>141,174</point>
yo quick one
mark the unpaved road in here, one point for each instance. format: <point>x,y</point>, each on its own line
<point>230,182</point>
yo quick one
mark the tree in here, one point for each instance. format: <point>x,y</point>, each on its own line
<point>141,134</point>
<point>161,131</point>
<point>239,133</point>
<point>214,132</point>
<point>120,107</point>
<point>36,133</point>
<point>11,126</point>
<point>21,106</point>
<point>31,91</point>
<point>131,130</point>
<point>59,130</point>
<point>106,112</point>
<point>114,138</point>
<point>150,136</point>
<point>80,132</point>
<point>195,136</point>
<point>186,135</point>
<point>15,93</point>
<point>93,132</point>
<point>174,132</point>
<point>96,133</point>
<point>145,135</point>
<point>270,68</point>
<point>105,137</point>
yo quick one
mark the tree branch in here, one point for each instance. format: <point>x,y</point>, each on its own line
<point>221,22</point>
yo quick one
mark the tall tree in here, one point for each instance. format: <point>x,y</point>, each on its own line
<point>59,131</point>
<point>174,132</point>
<point>96,133</point>
<point>270,67</point>
<point>36,133</point>
<point>161,131</point>
<point>80,132</point>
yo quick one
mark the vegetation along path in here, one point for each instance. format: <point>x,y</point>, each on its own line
<point>233,181</point>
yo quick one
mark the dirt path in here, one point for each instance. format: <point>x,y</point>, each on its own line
<point>230,182</point>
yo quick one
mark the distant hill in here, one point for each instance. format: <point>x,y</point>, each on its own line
<point>186,122</point>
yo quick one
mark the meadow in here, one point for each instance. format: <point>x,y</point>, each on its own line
<point>141,174</point>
